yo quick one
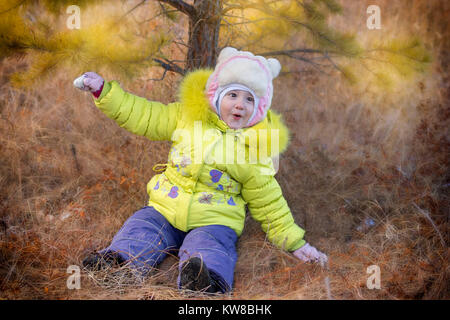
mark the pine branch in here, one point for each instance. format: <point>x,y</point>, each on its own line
<point>13,7</point>
<point>159,79</point>
<point>249,5</point>
<point>290,52</point>
<point>239,7</point>
<point>170,66</point>
<point>181,6</point>
<point>332,5</point>
<point>131,10</point>
<point>415,59</point>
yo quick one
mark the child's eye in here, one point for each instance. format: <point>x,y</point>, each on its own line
<point>250,99</point>
<point>232,94</point>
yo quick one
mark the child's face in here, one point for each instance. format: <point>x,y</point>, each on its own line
<point>236,108</point>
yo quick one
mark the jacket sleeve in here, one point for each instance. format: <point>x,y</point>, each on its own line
<point>153,120</point>
<point>267,205</point>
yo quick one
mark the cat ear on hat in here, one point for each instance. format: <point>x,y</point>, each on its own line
<point>275,67</point>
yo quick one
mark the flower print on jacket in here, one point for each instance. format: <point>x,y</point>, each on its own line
<point>185,161</point>
<point>173,192</point>
<point>179,161</point>
<point>215,175</point>
<point>205,198</point>
<point>221,181</point>
<point>231,202</point>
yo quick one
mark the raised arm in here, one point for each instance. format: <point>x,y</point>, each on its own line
<point>151,119</point>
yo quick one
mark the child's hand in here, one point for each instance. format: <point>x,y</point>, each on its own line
<point>89,81</point>
<point>308,253</point>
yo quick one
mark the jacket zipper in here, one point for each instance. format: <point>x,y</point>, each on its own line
<point>196,180</point>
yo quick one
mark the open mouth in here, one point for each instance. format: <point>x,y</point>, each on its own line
<point>236,116</point>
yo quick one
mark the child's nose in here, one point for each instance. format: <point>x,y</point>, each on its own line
<point>240,104</point>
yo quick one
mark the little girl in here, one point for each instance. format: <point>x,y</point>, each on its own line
<point>197,204</point>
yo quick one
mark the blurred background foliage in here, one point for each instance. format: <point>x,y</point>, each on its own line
<point>114,39</point>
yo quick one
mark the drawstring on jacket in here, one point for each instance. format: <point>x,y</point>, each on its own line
<point>160,165</point>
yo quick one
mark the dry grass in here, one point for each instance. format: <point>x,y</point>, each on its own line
<point>70,177</point>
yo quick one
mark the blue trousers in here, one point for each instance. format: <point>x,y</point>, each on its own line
<point>147,237</point>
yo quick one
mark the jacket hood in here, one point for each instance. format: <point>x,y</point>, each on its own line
<point>196,107</point>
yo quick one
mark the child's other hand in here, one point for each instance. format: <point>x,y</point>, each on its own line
<point>89,81</point>
<point>308,253</point>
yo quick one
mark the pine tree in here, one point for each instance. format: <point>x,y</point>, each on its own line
<point>125,45</point>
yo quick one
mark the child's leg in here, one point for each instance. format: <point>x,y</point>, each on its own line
<point>144,239</point>
<point>216,246</point>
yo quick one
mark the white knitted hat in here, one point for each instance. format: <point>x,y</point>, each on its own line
<point>244,68</point>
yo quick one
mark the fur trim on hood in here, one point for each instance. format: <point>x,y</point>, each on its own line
<point>196,107</point>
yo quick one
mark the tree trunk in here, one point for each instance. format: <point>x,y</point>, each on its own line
<point>204,34</point>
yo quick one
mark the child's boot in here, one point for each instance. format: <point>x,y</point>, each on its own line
<point>98,261</point>
<point>195,276</point>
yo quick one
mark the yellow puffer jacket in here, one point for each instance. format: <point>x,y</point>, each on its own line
<point>211,172</point>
